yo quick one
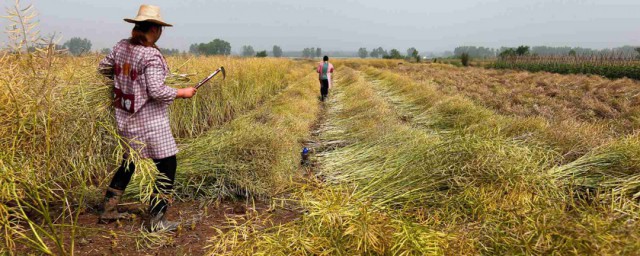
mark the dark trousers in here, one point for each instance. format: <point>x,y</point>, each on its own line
<point>324,88</point>
<point>166,166</point>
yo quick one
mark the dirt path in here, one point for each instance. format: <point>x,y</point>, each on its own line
<point>199,224</point>
<point>317,143</point>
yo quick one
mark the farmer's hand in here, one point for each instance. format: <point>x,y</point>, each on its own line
<point>186,92</point>
<point>106,71</point>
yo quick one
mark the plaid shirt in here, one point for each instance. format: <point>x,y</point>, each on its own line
<point>142,117</point>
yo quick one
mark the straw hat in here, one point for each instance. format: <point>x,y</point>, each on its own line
<point>150,13</point>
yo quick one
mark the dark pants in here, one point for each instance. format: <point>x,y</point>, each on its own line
<point>166,166</point>
<point>324,88</point>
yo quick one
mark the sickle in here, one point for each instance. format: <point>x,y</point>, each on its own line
<point>221,69</point>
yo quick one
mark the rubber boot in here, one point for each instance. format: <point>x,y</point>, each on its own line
<point>110,212</point>
<point>157,219</point>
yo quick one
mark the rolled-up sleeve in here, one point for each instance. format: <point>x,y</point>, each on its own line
<point>106,65</point>
<point>154,75</point>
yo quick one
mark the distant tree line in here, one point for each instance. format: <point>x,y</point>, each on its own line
<point>475,52</point>
<point>78,46</point>
<point>222,47</point>
<point>247,51</point>
<point>170,52</point>
<point>393,54</point>
<point>378,53</point>
<point>312,52</point>
<point>215,47</point>
<point>75,46</point>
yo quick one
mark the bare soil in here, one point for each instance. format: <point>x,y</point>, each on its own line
<point>199,223</point>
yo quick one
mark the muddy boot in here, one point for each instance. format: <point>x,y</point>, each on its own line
<point>157,219</point>
<point>110,208</point>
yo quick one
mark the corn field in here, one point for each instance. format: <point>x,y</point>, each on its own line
<point>607,66</point>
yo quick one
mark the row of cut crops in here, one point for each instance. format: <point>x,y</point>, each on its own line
<point>419,172</point>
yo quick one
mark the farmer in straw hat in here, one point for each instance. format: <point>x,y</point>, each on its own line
<point>141,102</point>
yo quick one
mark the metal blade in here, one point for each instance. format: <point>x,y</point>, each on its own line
<point>204,81</point>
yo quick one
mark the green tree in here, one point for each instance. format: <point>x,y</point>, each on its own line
<point>393,54</point>
<point>277,51</point>
<point>318,52</point>
<point>169,52</point>
<point>261,54</point>
<point>465,58</point>
<point>309,52</point>
<point>362,52</point>
<point>215,47</point>
<point>508,52</point>
<point>77,46</point>
<point>475,52</point>
<point>247,51</point>
<point>194,49</point>
<point>572,53</point>
<point>378,52</point>
<point>374,53</point>
<point>105,51</point>
<point>410,51</point>
<point>416,55</point>
<point>522,50</point>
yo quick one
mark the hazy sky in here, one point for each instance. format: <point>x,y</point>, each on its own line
<point>350,24</point>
